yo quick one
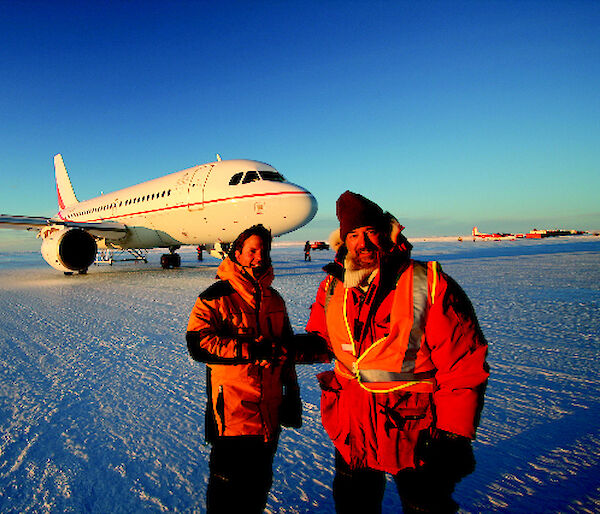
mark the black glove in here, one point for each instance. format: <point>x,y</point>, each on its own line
<point>266,350</point>
<point>260,350</point>
<point>442,452</point>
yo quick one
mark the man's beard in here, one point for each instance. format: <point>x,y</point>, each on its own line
<point>357,270</point>
<point>367,260</point>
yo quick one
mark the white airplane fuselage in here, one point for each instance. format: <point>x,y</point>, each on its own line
<point>198,206</point>
<point>209,204</point>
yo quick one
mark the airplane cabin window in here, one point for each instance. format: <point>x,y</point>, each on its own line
<point>235,180</point>
<point>272,176</point>
<point>251,176</point>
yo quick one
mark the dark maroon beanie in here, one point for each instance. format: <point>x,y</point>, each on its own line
<point>354,210</point>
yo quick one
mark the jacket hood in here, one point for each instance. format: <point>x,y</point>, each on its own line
<point>243,281</point>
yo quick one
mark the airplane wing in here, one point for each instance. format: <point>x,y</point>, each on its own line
<point>106,229</point>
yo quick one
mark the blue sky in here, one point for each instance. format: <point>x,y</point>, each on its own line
<point>448,114</point>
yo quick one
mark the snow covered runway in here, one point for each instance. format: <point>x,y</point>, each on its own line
<point>101,410</point>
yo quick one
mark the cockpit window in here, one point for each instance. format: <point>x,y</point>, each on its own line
<point>251,176</point>
<point>235,180</point>
<point>273,176</point>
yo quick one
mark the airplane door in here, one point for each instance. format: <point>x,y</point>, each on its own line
<point>196,187</point>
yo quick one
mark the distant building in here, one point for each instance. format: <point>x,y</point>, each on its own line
<point>540,234</point>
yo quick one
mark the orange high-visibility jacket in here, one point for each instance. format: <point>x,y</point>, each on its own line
<point>244,398</point>
<point>409,356</point>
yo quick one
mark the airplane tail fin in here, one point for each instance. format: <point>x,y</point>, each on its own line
<point>64,189</point>
<point>475,232</point>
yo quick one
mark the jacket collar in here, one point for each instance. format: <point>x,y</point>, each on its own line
<point>244,283</point>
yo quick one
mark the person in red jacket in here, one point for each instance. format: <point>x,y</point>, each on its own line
<point>239,327</point>
<point>406,390</point>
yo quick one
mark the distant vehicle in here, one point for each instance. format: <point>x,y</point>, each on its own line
<point>208,205</point>
<point>319,245</point>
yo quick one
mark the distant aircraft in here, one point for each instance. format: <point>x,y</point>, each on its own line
<point>209,204</point>
<point>496,236</point>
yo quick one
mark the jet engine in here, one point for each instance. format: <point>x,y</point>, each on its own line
<point>69,249</point>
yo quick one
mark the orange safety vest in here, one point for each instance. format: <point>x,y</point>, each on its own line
<point>399,360</point>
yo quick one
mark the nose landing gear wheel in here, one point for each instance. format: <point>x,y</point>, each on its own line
<point>170,260</point>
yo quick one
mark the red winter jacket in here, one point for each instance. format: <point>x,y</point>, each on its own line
<point>409,356</point>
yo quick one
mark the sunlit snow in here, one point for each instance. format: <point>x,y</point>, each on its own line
<point>101,410</point>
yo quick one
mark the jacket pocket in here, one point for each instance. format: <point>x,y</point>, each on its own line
<point>334,421</point>
<point>400,418</point>
<point>400,410</point>
<point>329,382</point>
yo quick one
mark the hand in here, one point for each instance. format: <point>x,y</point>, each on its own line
<point>265,352</point>
<point>442,452</point>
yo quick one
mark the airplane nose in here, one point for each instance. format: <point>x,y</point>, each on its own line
<point>314,206</point>
<point>300,207</point>
<point>308,208</point>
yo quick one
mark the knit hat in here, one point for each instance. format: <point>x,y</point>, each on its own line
<point>354,210</point>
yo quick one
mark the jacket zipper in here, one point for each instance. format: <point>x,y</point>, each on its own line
<point>258,297</point>
<point>221,407</point>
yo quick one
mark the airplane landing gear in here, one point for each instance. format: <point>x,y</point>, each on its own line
<point>170,260</point>
<point>80,272</point>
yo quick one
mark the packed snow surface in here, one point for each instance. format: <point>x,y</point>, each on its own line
<point>101,410</point>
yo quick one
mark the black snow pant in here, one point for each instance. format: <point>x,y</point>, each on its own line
<point>361,490</point>
<point>241,474</point>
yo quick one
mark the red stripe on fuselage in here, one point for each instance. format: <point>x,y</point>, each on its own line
<point>185,205</point>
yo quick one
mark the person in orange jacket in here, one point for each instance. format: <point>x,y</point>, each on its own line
<point>240,328</point>
<point>407,387</point>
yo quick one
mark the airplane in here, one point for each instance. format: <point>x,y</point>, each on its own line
<point>207,205</point>
<point>496,236</point>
